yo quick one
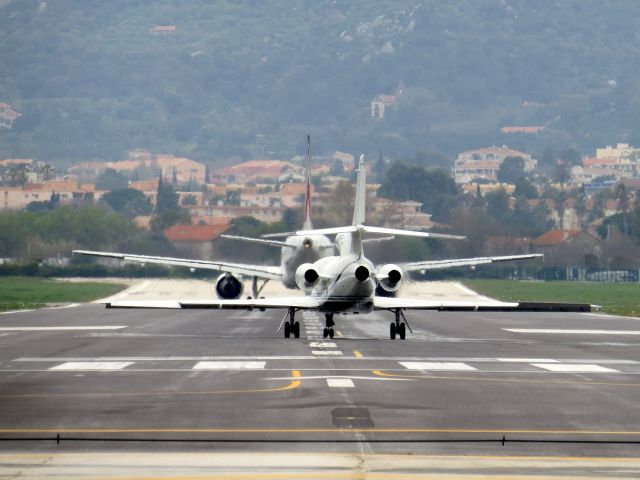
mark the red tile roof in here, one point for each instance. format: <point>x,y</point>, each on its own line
<point>194,233</point>
<point>554,237</point>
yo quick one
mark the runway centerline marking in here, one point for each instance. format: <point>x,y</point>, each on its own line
<point>437,366</point>
<point>577,368</point>
<point>326,353</point>
<point>340,383</point>
<point>572,331</point>
<point>229,366</point>
<point>92,366</point>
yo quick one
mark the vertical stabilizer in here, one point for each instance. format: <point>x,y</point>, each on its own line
<point>307,203</point>
<point>361,192</point>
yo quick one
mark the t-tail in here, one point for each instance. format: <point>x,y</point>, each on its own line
<point>307,203</point>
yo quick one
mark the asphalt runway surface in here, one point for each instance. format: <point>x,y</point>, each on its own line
<point>465,394</point>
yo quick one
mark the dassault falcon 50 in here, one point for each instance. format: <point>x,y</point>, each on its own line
<point>346,283</point>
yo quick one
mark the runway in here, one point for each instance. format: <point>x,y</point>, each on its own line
<point>513,387</point>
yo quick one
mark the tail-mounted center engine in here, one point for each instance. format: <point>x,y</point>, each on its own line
<point>389,277</point>
<point>228,287</point>
<point>306,276</point>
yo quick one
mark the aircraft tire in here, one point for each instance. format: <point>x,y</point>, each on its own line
<point>331,333</point>
<point>296,330</point>
<point>325,332</point>
<point>402,331</point>
<point>392,331</point>
<point>287,330</point>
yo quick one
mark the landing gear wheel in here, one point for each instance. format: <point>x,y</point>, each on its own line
<point>402,331</point>
<point>325,332</point>
<point>296,330</point>
<point>287,330</point>
<point>392,331</point>
<point>331,333</point>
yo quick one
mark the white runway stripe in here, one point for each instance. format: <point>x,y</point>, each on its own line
<point>229,365</point>
<point>323,345</point>
<point>340,383</point>
<point>91,366</point>
<point>575,332</point>
<point>577,368</point>
<point>160,359</point>
<point>436,366</point>
<point>326,352</point>
<point>71,327</point>
<point>527,360</point>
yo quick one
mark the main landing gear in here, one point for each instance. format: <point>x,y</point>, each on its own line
<point>328,330</point>
<point>398,328</point>
<point>291,327</point>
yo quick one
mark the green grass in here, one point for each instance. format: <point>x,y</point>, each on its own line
<point>33,292</point>
<point>615,298</point>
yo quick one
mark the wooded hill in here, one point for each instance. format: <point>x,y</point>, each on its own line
<point>248,78</point>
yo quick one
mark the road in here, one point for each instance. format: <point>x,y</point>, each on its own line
<point>466,394</point>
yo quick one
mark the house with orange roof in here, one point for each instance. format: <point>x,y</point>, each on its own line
<point>195,241</point>
<point>568,247</point>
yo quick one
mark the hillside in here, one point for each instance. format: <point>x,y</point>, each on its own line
<point>244,78</point>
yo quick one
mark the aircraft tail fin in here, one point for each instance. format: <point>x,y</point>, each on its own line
<point>307,203</point>
<point>361,192</point>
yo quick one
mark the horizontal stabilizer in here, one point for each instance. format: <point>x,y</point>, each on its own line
<point>261,241</point>
<point>373,230</point>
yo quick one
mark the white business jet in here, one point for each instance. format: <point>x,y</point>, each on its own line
<point>346,283</point>
<point>295,251</point>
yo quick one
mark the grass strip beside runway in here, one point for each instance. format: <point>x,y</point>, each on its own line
<point>17,293</point>
<point>615,298</point>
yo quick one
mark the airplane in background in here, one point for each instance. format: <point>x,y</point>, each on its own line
<point>346,283</point>
<point>295,251</point>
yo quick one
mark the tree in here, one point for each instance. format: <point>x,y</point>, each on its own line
<point>498,204</point>
<point>511,169</point>
<point>17,174</point>
<point>524,188</point>
<point>622,196</point>
<point>561,173</point>
<point>337,169</point>
<point>159,223</point>
<point>167,198</point>
<point>128,201</point>
<point>189,200</point>
<point>110,179</point>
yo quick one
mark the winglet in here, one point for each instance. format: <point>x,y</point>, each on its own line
<point>307,203</point>
<point>361,191</point>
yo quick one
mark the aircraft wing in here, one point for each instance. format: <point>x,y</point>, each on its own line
<point>297,302</point>
<point>391,303</point>
<point>260,241</point>
<point>462,262</point>
<point>261,271</point>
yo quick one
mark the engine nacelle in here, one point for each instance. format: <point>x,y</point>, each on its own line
<point>228,287</point>
<point>389,277</point>
<point>306,276</point>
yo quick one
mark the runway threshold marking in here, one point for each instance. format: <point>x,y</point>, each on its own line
<point>91,366</point>
<point>437,366</point>
<point>293,384</point>
<point>577,368</point>
<point>229,366</point>
<point>503,380</point>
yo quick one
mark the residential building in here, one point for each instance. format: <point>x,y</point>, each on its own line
<point>484,163</point>
<point>7,116</point>
<point>195,241</point>
<point>257,170</point>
